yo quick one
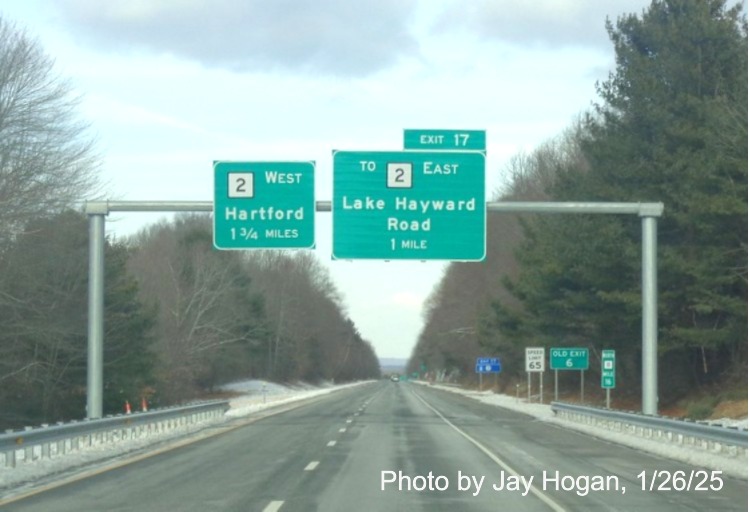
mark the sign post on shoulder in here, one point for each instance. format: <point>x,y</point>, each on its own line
<point>608,371</point>
<point>487,365</point>
<point>569,358</point>
<point>535,363</point>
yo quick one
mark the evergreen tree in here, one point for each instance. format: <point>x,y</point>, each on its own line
<point>671,127</point>
<point>43,340</point>
<point>129,359</point>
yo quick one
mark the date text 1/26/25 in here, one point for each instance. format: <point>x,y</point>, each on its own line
<point>693,480</point>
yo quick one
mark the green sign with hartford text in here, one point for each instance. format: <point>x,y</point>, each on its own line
<point>264,205</point>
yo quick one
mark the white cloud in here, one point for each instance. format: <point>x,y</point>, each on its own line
<point>130,114</point>
<point>336,37</point>
<point>548,24</point>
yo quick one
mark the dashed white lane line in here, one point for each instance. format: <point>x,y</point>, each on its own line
<point>274,506</point>
<point>342,430</point>
<point>331,443</point>
<point>312,465</point>
<point>349,420</point>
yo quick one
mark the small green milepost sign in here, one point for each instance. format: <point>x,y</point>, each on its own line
<point>424,205</point>
<point>608,369</point>
<point>264,205</point>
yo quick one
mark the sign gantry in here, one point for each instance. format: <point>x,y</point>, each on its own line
<point>392,205</point>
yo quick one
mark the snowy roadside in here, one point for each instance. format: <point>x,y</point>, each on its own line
<point>256,396</point>
<point>734,466</point>
<point>259,395</point>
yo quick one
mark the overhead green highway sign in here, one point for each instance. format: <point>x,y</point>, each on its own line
<point>461,140</point>
<point>409,205</point>
<point>264,205</point>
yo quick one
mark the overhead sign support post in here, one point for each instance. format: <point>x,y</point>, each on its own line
<point>649,357</point>
<point>95,349</point>
<point>648,212</point>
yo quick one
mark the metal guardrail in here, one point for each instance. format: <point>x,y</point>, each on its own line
<point>655,426</point>
<point>62,438</point>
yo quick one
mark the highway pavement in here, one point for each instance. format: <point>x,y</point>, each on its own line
<point>390,446</point>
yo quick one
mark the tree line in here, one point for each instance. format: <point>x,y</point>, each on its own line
<point>670,126</point>
<point>180,317</point>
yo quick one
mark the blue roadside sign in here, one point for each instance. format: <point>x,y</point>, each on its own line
<point>488,365</point>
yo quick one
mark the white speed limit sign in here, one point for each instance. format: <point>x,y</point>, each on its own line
<point>534,359</point>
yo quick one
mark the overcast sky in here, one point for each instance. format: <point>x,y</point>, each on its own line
<point>169,86</point>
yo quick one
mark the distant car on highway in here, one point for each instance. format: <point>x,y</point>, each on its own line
<point>394,378</point>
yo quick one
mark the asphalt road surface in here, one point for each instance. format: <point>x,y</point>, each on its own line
<point>396,447</point>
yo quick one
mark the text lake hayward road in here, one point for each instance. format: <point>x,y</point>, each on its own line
<point>409,205</point>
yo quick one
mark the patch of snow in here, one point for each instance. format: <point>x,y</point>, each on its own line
<point>736,465</point>
<point>277,395</point>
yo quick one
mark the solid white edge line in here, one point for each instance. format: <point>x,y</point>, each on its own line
<point>312,465</point>
<point>536,492</point>
<point>274,506</point>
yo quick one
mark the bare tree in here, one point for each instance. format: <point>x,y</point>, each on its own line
<point>206,307</point>
<point>46,157</point>
<point>312,337</point>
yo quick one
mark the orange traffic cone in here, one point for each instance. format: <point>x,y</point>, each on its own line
<point>127,407</point>
<point>144,404</point>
